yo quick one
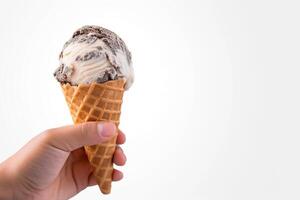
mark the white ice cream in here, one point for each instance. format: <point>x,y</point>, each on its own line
<point>95,54</point>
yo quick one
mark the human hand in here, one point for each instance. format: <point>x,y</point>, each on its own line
<point>53,165</point>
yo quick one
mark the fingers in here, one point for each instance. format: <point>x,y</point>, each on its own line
<point>121,138</point>
<point>119,157</point>
<point>69,138</point>
<point>117,175</point>
<point>82,166</point>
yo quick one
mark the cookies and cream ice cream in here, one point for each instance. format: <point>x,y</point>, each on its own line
<point>94,54</point>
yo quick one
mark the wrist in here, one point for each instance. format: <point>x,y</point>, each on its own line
<point>6,191</point>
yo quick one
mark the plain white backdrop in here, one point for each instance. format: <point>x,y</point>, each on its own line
<point>214,111</point>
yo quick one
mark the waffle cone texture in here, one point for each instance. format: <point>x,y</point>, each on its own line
<point>97,102</point>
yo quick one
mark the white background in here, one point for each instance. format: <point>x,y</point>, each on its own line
<point>214,112</point>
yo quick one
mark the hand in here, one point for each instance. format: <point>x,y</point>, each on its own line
<point>53,165</point>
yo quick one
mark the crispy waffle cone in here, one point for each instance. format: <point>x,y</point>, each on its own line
<point>97,102</point>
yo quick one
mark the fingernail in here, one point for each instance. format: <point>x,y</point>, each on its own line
<point>106,129</point>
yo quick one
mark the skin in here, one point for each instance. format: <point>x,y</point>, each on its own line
<point>53,165</point>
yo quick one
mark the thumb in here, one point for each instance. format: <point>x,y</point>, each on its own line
<point>69,138</point>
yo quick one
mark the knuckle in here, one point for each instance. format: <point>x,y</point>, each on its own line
<point>48,131</point>
<point>48,137</point>
<point>83,130</point>
<point>48,134</point>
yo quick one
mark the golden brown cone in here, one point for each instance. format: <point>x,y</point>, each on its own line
<point>97,102</point>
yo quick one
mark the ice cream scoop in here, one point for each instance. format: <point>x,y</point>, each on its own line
<point>94,55</point>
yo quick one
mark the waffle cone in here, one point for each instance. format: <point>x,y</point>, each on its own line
<point>97,102</point>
